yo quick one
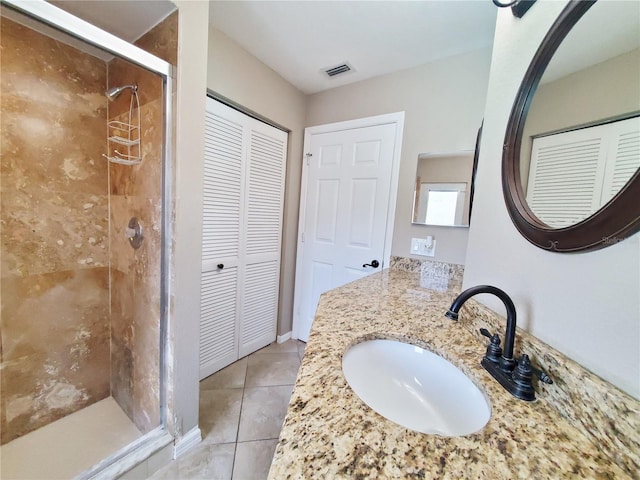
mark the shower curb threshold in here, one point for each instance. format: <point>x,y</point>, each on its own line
<point>190,439</point>
<point>149,445</point>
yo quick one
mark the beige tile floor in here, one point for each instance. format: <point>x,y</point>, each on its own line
<point>242,408</point>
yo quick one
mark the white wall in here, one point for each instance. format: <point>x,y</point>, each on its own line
<point>444,102</point>
<point>184,324</point>
<point>586,305</point>
<point>239,76</point>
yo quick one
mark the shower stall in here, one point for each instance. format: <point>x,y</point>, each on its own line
<point>84,210</point>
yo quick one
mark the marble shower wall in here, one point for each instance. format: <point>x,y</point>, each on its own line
<point>54,231</point>
<point>136,191</point>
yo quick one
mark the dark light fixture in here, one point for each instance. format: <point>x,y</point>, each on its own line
<point>518,7</point>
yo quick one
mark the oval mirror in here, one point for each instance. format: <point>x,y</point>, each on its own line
<point>571,164</point>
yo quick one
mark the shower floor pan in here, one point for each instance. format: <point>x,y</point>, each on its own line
<point>69,446</point>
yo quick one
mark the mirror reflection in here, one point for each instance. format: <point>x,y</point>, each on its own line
<point>443,189</point>
<point>581,139</point>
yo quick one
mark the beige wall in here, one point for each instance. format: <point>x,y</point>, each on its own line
<point>586,305</point>
<point>602,91</point>
<point>184,323</point>
<point>239,76</point>
<point>443,103</point>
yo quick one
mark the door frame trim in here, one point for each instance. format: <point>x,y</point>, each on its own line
<point>396,118</point>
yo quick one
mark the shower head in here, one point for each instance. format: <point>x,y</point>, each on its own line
<point>114,92</point>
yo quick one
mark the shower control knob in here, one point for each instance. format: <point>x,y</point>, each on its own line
<point>133,231</point>
<point>220,266</point>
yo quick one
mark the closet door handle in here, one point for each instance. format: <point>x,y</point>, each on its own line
<point>374,264</point>
<point>220,266</point>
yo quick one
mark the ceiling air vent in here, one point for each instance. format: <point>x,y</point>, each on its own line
<point>337,70</point>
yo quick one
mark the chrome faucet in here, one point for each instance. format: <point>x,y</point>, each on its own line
<point>514,376</point>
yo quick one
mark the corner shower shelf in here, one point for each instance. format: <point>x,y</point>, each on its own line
<point>126,134</point>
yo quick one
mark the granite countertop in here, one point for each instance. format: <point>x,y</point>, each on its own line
<point>330,433</point>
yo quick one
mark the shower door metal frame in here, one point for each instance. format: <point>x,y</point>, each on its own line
<point>142,448</point>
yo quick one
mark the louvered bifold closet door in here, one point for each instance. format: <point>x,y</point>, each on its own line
<point>221,236</point>
<point>263,227</point>
<point>218,313</point>
<point>566,177</point>
<point>623,155</point>
<point>573,174</point>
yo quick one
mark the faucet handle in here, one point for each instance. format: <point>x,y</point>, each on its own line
<point>494,350</point>
<point>542,375</point>
<point>521,376</point>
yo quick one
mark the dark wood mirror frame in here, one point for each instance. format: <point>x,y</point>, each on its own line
<point>617,220</point>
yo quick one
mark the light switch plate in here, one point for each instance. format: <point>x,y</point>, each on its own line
<point>420,246</point>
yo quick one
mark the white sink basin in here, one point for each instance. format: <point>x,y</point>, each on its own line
<point>415,388</point>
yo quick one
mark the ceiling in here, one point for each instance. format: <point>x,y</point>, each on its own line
<point>126,19</point>
<point>300,39</point>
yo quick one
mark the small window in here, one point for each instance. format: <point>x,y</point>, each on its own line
<point>444,203</point>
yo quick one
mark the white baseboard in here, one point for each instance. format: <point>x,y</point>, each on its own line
<point>284,338</point>
<point>192,438</point>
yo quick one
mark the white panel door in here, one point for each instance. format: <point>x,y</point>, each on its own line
<point>346,208</point>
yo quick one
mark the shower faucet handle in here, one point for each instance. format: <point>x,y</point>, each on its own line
<point>134,233</point>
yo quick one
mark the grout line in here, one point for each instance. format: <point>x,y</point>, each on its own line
<point>260,439</point>
<point>235,449</point>
<point>266,354</point>
<point>246,370</point>
<point>277,385</point>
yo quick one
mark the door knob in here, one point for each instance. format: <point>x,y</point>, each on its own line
<point>374,264</point>
<point>220,266</point>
